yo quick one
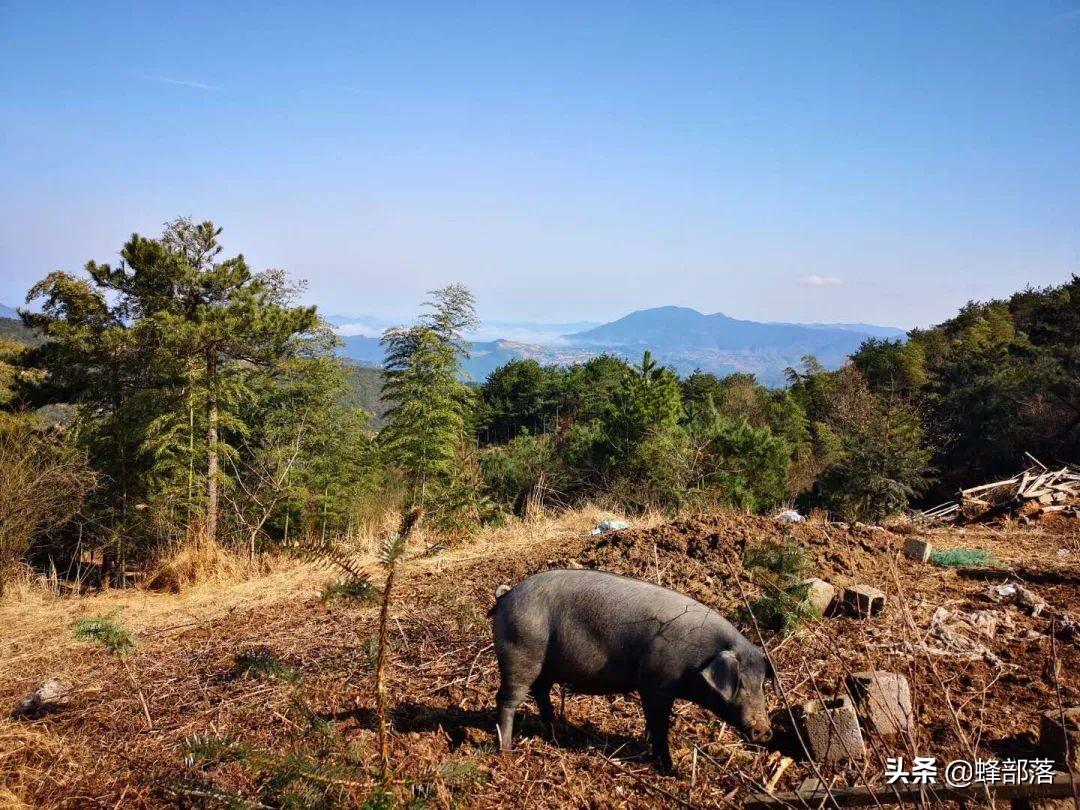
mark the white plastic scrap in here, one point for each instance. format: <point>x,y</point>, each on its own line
<point>790,516</point>
<point>1002,593</point>
<point>944,627</point>
<point>1018,594</point>
<point>610,526</point>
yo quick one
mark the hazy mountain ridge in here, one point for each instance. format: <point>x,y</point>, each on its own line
<point>680,337</point>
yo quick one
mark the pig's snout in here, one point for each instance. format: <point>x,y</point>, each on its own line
<point>760,731</point>
<point>757,726</point>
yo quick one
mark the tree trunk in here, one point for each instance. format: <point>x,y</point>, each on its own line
<point>211,445</point>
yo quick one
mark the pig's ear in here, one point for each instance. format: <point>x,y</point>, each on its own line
<point>722,674</point>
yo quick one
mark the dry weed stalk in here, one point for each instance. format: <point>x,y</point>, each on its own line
<point>392,551</point>
<point>196,559</point>
<point>117,642</point>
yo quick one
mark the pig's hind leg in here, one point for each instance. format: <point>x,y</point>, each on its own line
<point>518,670</point>
<point>541,692</point>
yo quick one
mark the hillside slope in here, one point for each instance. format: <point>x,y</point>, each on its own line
<point>303,701</point>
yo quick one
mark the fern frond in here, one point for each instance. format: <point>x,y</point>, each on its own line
<point>359,589</point>
<point>410,520</point>
<point>205,748</point>
<point>200,792</point>
<point>263,663</point>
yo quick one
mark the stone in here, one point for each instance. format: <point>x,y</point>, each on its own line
<point>884,700</point>
<point>819,595</point>
<point>809,786</point>
<point>812,789</point>
<point>1042,804</point>
<point>1029,600</point>
<point>863,601</point>
<point>917,549</point>
<point>1059,737</point>
<point>46,698</point>
<point>831,730</point>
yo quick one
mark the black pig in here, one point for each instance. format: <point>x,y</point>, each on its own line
<point>600,634</point>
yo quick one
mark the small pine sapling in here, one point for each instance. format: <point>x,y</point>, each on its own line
<point>962,558</point>
<point>118,642</point>
<point>780,567</point>
<point>262,663</point>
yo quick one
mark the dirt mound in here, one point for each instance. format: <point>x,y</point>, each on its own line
<point>699,556</point>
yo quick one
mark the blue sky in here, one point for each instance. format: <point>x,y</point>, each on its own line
<point>880,162</point>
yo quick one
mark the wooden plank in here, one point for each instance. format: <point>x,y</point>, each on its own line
<point>1038,493</point>
<point>1064,786</point>
<point>994,485</point>
<point>1034,485</point>
<point>1035,460</point>
<point>1023,483</point>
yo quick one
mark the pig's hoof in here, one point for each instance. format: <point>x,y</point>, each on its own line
<point>666,768</point>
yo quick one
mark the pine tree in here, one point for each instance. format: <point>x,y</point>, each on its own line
<point>430,409</point>
<point>165,353</point>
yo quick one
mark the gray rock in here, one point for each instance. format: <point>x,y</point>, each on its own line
<point>863,601</point>
<point>884,700</point>
<point>1059,737</point>
<point>917,549</point>
<point>831,730</point>
<point>819,595</point>
<point>47,697</point>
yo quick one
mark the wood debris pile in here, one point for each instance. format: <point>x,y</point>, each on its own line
<point>1029,495</point>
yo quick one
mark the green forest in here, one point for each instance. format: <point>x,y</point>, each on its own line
<point>181,396</point>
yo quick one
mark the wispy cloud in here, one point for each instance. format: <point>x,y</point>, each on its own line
<point>347,88</point>
<point>352,329</point>
<point>183,83</point>
<point>1066,16</point>
<point>821,281</point>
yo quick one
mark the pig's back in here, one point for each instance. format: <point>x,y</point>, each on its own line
<point>603,632</point>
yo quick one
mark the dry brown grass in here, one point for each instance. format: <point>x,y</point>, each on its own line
<point>29,756</point>
<point>196,562</point>
<point>35,623</point>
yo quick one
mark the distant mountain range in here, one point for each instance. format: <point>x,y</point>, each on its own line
<point>679,337</point>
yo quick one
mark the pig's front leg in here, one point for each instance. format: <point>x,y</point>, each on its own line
<point>657,706</point>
